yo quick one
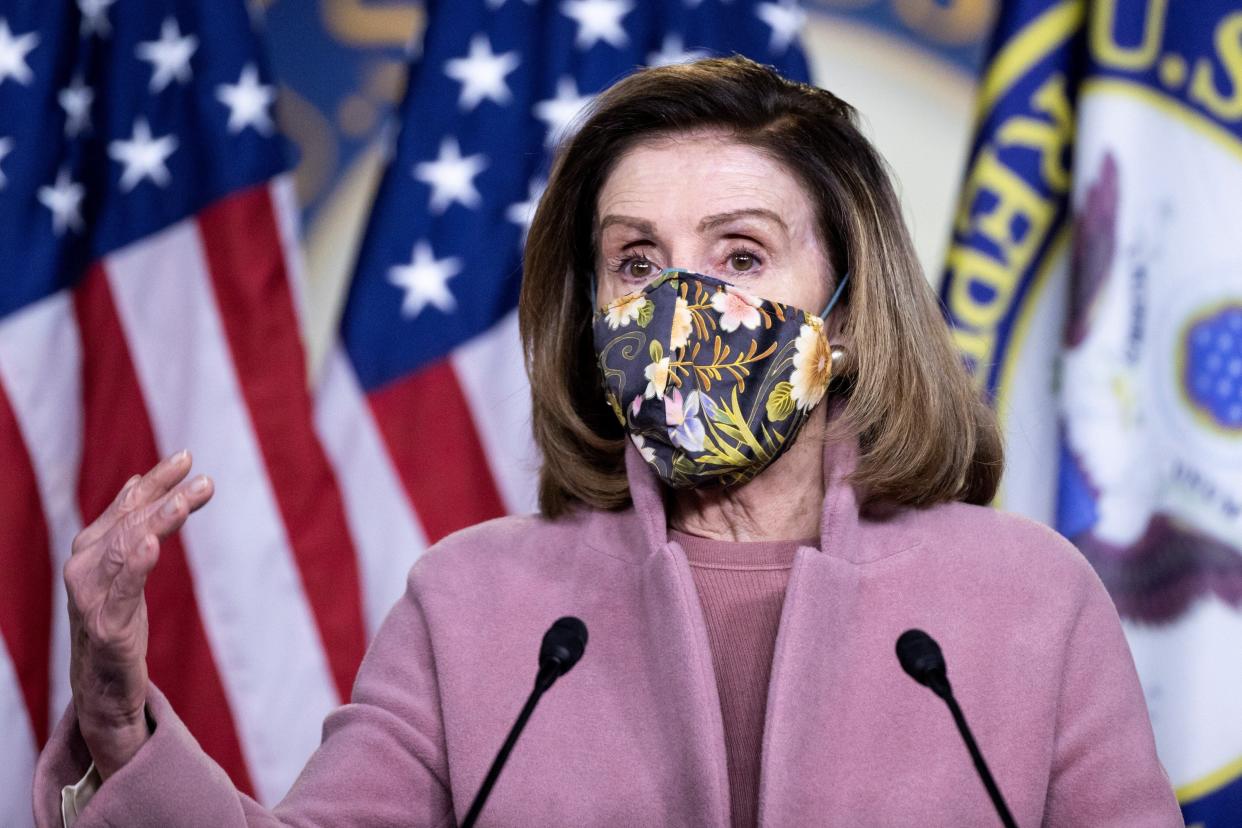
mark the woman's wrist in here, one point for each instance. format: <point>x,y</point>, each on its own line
<point>114,743</point>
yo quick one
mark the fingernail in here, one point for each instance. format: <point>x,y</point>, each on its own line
<point>181,455</point>
<point>199,485</point>
<point>171,506</point>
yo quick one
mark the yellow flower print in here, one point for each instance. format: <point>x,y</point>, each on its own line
<point>682,323</point>
<point>812,365</point>
<point>625,310</point>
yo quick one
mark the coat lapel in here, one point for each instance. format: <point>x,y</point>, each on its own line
<point>808,662</point>
<point>685,687</point>
<point>807,665</point>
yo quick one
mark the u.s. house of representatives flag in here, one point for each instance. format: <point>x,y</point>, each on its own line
<point>425,403</point>
<point>1095,288</point>
<point>148,303</point>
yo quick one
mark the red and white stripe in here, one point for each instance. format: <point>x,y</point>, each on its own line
<point>444,448</point>
<point>41,444</point>
<point>188,338</point>
<point>261,606</point>
<point>493,379</point>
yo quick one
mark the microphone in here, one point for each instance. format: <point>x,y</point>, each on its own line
<point>922,660</point>
<point>563,644</point>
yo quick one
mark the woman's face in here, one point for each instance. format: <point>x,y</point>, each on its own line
<point>705,203</point>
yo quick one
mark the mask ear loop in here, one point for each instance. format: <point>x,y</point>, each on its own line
<point>835,296</point>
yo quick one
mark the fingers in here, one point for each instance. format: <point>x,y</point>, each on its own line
<point>137,493</point>
<point>156,520</point>
<point>123,551</point>
<point>165,516</point>
<point>125,593</point>
<point>162,477</point>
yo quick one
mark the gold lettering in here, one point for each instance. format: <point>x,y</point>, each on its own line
<point>1108,51</point>
<point>1229,48</point>
<point>968,269</point>
<point>1015,199</point>
<point>981,286</point>
<point>1016,222</point>
<point>1048,138</point>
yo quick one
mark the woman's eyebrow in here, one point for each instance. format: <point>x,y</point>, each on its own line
<point>641,225</point>
<point>718,219</point>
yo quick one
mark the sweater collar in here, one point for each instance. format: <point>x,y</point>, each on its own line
<point>838,516</point>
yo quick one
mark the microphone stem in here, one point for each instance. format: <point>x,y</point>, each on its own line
<point>986,775</point>
<point>541,684</point>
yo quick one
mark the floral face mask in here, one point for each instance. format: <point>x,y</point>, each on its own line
<point>711,383</point>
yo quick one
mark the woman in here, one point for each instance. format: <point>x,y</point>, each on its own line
<point>744,553</point>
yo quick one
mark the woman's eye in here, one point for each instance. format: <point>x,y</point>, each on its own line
<point>642,269</point>
<point>742,261</point>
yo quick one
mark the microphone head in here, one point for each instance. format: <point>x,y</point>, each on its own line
<point>922,660</point>
<point>563,645</point>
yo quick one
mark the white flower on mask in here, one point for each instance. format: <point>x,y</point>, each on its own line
<point>812,365</point>
<point>737,308</point>
<point>657,375</point>
<point>645,450</point>
<point>681,325</point>
<point>625,310</point>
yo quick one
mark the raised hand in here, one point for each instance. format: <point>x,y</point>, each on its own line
<point>104,578</point>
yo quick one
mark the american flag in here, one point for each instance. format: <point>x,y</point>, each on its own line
<point>149,302</point>
<point>429,333</point>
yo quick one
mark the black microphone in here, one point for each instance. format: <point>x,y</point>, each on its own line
<point>922,660</point>
<point>562,646</point>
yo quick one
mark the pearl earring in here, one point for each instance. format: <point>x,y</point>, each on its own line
<point>840,359</point>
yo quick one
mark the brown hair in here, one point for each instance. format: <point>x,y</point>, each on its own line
<point>925,435</point>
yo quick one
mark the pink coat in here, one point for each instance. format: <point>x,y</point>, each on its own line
<point>633,735</point>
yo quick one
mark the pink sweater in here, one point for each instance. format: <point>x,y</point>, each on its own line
<point>742,589</point>
<point>634,735</point>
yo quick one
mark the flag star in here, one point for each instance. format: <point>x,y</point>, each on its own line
<point>95,17</point>
<point>169,56</point>
<point>523,212</point>
<point>598,20</point>
<point>673,51</point>
<point>248,101</point>
<point>76,100</point>
<point>64,199</point>
<point>143,156</point>
<point>451,177</point>
<point>425,280</point>
<point>13,51</point>
<point>6,146</point>
<point>559,113</point>
<point>482,73</point>
<point>786,18</point>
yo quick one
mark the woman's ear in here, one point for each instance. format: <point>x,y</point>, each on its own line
<point>834,324</point>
